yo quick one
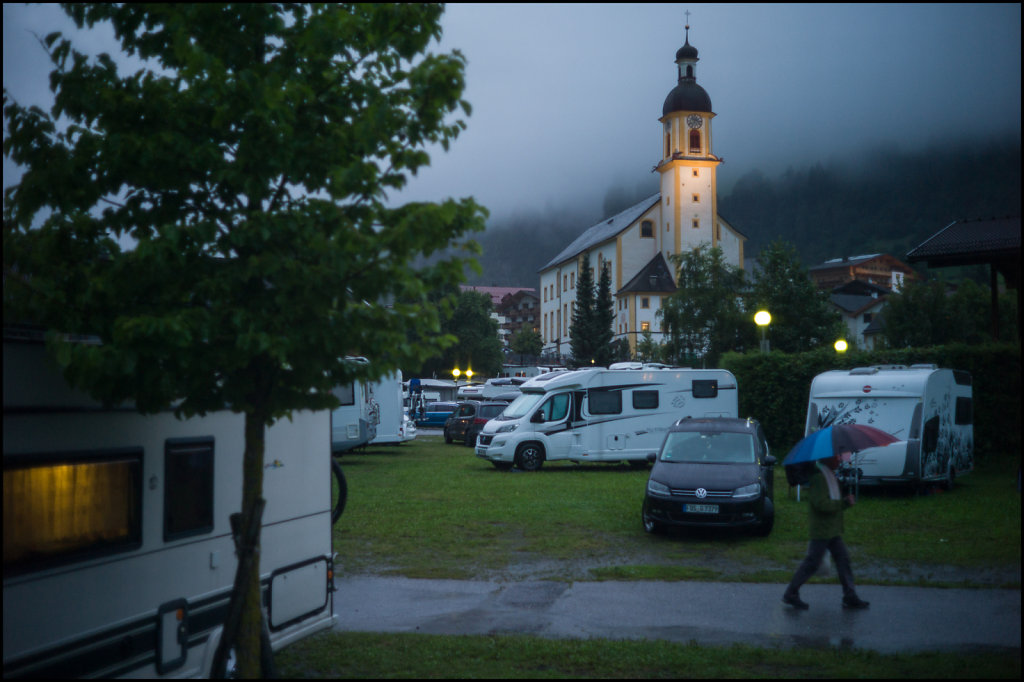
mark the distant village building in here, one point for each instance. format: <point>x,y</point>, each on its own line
<point>879,269</point>
<point>512,307</point>
<point>635,244</point>
<point>860,303</point>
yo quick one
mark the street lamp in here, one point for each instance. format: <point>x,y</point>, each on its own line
<point>840,346</point>
<point>456,373</point>
<point>469,376</point>
<point>762,318</point>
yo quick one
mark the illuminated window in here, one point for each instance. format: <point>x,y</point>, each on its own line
<point>66,507</point>
<point>645,326</point>
<point>188,487</point>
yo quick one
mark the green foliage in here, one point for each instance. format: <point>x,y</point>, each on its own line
<point>924,313</point>
<point>647,349</point>
<point>773,387</point>
<point>527,342</point>
<point>802,316</point>
<point>478,346</point>
<point>604,320</point>
<point>702,318</point>
<point>581,328</point>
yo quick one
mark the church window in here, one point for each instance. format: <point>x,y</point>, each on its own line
<point>696,223</point>
<point>696,198</point>
<point>696,173</point>
<point>645,302</point>
<point>647,229</point>
<point>572,280</point>
<point>695,141</point>
<point>645,326</point>
<point>689,71</point>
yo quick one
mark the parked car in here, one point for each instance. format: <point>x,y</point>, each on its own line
<point>435,414</point>
<point>711,472</point>
<point>466,422</point>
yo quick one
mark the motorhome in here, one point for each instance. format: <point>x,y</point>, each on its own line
<point>354,423</point>
<point>118,552</point>
<point>395,426</point>
<point>602,415</point>
<point>929,409</point>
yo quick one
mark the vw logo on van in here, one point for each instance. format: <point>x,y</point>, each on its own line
<point>701,493</point>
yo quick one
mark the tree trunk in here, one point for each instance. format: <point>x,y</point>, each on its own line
<point>247,647</point>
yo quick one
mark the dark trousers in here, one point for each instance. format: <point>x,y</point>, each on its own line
<point>815,553</point>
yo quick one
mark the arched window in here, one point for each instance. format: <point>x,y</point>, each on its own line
<point>647,229</point>
<point>689,71</point>
<point>695,141</point>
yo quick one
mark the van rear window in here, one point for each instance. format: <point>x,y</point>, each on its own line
<point>64,507</point>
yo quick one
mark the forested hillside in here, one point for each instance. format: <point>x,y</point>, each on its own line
<point>888,201</point>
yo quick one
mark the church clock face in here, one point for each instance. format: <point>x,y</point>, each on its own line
<point>694,121</point>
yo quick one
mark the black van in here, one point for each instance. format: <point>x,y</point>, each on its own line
<point>711,472</point>
<point>466,422</point>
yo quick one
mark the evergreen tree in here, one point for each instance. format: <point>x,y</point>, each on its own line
<point>604,319</point>
<point>581,330</point>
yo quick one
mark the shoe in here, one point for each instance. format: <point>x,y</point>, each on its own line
<point>855,603</point>
<point>795,601</point>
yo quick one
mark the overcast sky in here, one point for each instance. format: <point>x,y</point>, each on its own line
<point>566,98</point>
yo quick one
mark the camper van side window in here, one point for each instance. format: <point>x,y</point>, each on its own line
<point>65,507</point>
<point>346,394</point>
<point>645,400</point>
<point>705,388</point>
<point>964,411</point>
<point>604,402</point>
<point>188,487</point>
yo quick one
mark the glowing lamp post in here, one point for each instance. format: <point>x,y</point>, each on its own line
<point>762,318</point>
<point>840,346</point>
<point>456,373</point>
<point>469,376</point>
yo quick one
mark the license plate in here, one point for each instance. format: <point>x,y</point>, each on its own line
<point>701,508</point>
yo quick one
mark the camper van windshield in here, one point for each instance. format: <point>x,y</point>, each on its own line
<point>522,406</point>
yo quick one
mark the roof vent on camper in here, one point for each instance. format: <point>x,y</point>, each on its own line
<point>626,365</point>
<point>864,370</point>
<point>924,365</point>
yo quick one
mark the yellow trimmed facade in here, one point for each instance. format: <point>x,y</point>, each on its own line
<point>637,243</point>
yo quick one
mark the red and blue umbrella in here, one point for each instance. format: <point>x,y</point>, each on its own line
<point>835,439</point>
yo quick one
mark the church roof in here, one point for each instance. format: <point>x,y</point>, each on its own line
<point>604,230</point>
<point>687,96</point>
<point>655,277</point>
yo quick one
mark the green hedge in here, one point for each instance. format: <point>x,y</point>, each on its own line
<point>773,387</point>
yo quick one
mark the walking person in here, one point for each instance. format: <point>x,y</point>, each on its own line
<point>825,506</point>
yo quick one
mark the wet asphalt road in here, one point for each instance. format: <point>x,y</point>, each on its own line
<point>900,619</point>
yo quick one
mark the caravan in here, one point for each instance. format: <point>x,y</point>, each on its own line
<point>118,552</point>
<point>354,423</point>
<point>394,426</point>
<point>602,415</point>
<point>930,411</point>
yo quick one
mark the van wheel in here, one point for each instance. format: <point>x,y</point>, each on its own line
<point>764,529</point>
<point>651,526</point>
<point>529,457</point>
<point>447,437</point>
<point>339,492</point>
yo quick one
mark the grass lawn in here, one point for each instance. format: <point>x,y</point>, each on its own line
<point>430,510</point>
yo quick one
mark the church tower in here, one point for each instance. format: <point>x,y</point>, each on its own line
<point>689,203</point>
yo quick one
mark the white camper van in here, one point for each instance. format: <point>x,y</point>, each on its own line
<point>602,415</point>
<point>354,423</point>
<point>929,409</point>
<point>118,553</point>
<point>394,426</point>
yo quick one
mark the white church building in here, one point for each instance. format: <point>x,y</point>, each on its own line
<point>635,244</point>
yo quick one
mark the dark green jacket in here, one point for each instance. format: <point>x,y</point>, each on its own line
<point>825,515</point>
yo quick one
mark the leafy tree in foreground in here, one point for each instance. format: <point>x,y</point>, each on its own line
<point>250,168</point>
<point>702,319</point>
<point>478,346</point>
<point>802,317</point>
